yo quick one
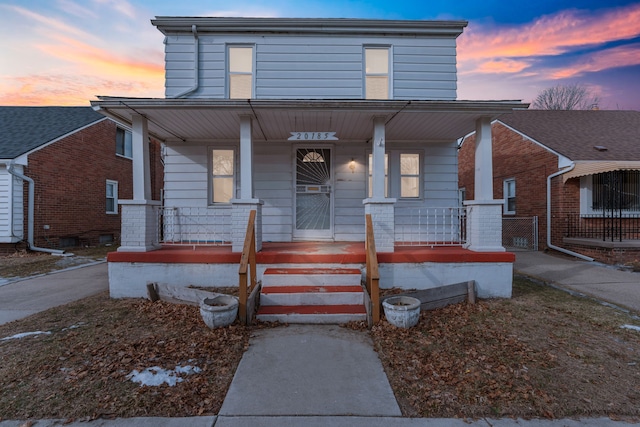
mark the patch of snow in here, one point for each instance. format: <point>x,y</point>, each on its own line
<point>156,376</point>
<point>633,327</point>
<point>76,326</point>
<point>24,334</point>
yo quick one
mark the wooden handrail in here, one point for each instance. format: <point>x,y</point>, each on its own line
<point>373,276</point>
<point>247,263</point>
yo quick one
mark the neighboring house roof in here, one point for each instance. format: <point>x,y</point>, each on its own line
<point>24,128</point>
<point>600,135</point>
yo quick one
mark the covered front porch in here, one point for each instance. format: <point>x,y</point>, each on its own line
<point>395,161</point>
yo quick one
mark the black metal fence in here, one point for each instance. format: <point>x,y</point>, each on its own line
<point>611,226</point>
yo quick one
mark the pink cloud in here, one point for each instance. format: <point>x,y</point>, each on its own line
<point>549,35</point>
<point>71,90</point>
<point>620,56</point>
<point>102,61</point>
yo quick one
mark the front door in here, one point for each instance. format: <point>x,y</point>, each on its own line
<point>313,194</point>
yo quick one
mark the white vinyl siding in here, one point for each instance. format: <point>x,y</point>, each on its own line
<point>289,67</point>
<point>273,184</point>
<point>11,206</point>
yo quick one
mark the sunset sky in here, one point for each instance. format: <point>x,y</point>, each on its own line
<point>65,52</point>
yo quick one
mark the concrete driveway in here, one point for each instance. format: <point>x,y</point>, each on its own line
<point>26,297</point>
<point>604,282</point>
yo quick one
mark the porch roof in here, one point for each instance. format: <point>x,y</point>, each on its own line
<point>171,119</point>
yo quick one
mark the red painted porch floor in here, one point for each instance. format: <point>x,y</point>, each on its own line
<point>309,253</point>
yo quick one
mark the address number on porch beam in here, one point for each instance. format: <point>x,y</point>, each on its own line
<point>313,136</point>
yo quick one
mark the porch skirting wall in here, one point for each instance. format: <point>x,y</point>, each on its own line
<point>407,268</point>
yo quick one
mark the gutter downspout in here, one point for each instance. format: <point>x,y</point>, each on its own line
<point>30,212</point>
<point>557,248</point>
<point>196,64</point>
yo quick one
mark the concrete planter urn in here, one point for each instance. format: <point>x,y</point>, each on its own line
<point>219,311</point>
<point>402,311</point>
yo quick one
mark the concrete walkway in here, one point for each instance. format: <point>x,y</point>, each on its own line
<point>28,296</point>
<point>604,282</point>
<point>310,370</point>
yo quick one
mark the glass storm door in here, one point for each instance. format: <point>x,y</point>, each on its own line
<point>313,204</point>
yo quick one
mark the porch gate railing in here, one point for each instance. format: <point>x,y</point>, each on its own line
<point>520,233</point>
<point>431,226</point>
<point>609,226</point>
<point>194,226</point>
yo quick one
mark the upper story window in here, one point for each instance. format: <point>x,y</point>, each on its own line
<point>509,186</point>
<point>376,66</point>
<point>123,142</point>
<point>240,72</point>
<point>222,175</point>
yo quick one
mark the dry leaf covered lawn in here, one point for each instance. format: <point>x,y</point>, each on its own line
<point>543,353</point>
<point>80,369</point>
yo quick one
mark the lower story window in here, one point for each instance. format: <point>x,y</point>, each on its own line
<point>222,175</point>
<point>402,175</point>
<point>617,190</point>
<point>112,197</point>
<point>510,196</point>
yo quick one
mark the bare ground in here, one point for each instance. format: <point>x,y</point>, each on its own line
<point>542,353</point>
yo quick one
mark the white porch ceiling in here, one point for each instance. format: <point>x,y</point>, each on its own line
<point>351,120</point>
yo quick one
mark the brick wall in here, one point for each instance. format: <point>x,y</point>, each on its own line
<point>70,186</point>
<point>513,157</point>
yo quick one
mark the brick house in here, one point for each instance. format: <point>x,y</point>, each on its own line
<point>78,163</point>
<point>590,160</point>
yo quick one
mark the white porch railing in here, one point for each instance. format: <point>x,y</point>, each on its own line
<point>430,226</point>
<point>194,226</point>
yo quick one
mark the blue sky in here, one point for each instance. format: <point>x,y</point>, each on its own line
<point>64,52</point>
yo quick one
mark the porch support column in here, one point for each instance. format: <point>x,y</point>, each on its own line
<point>246,158</point>
<point>246,203</point>
<point>139,217</point>
<point>381,208</point>
<point>484,214</point>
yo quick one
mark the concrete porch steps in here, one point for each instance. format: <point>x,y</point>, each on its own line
<point>311,295</point>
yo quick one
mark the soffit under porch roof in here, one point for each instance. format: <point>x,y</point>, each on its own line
<point>274,120</point>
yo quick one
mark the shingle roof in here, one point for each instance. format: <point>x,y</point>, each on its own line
<point>24,128</point>
<point>575,133</point>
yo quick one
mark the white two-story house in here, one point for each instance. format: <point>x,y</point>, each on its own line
<point>312,123</point>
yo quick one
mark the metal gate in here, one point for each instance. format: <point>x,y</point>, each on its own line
<point>520,233</point>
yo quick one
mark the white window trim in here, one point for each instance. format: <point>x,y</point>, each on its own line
<point>389,48</point>
<point>394,178</point>
<point>115,196</point>
<point>236,175</point>
<point>505,209</point>
<point>125,131</point>
<point>586,198</point>
<point>228,71</point>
